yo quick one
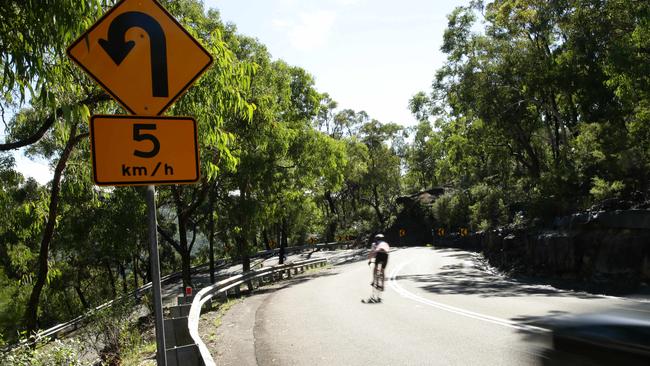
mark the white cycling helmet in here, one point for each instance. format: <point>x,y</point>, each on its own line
<point>379,236</point>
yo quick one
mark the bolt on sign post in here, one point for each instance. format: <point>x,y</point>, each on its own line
<point>145,60</point>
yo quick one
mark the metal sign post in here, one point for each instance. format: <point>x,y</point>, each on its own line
<point>155,277</point>
<point>144,148</point>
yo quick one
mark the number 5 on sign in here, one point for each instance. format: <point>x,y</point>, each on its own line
<point>138,150</point>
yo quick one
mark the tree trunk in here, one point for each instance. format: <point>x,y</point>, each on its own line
<point>77,288</point>
<point>283,240</point>
<point>241,238</point>
<point>533,165</point>
<point>31,312</point>
<point>186,264</point>
<point>182,219</point>
<point>265,237</point>
<point>333,219</point>
<point>125,289</point>
<point>49,121</point>
<point>245,259</point>
<point>146,269</point>
<point>375,205</point>
<point>135,272</point>
<point>331,231</point>
<point>66,300</point>
<point>211,224</point>
<point>111,280</point>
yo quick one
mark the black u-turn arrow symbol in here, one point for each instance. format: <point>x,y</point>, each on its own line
<point>118,49</point>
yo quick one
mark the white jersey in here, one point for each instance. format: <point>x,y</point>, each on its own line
<point>379,246</point>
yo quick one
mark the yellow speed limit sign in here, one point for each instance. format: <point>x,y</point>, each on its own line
<point>139,150</point>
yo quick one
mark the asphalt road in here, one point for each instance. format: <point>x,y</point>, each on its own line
<point>440,307</point>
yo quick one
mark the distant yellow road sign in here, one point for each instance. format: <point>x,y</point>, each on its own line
<point>441,231</point>
<point>463,231</point>
<point>402,232</point>
<point>272,244</point>
<point>138,150</point>
<point>141,56</point>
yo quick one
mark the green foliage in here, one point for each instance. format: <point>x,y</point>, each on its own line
<point>20,224</point>
<point>220,94</point>
<point>56,353</point>
<point>481,208</point>
<point>540,104</point>
<point>452,210</point>
<point>111,333</point>
<point>34,37</point>
<point>603,189</point>
<point>489,209</point>
<point>542,111</point>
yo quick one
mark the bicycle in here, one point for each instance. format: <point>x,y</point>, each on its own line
<point>378,277</point>
<point>377,283</point>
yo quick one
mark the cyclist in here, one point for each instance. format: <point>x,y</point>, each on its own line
<point>379,251</point>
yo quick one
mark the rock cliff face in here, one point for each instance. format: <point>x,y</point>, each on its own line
<point>413,226</point>
<point>611,249</point>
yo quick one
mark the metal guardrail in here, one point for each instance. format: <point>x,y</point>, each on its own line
<point>235,282</point>
<point>301,248</point>
<point>74,324</point>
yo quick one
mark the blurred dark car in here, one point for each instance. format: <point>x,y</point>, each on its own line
<point>610,338</point>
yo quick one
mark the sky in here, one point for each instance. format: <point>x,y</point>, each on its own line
<point>370,55</point>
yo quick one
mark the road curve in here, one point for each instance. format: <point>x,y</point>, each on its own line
<point>441,307</point>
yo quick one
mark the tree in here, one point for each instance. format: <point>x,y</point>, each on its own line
<point>422,155</point>
<point>218,96</point>
<point>532,105</point>
<point>61,98</point>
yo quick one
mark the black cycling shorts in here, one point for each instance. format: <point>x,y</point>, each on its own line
<point>381,258</point>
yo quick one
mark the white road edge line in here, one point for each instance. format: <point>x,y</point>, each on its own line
<point>452,309</point>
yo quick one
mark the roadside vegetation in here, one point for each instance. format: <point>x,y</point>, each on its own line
<point>541,109</point>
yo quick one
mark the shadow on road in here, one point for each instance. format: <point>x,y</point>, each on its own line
<point>287,283</point>
<point>370,301</point>
<point>479,278</point>
<point>459,279</point>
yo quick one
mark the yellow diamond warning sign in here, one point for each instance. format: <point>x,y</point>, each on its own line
<point>141,56</point>
<point>139,150</point>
